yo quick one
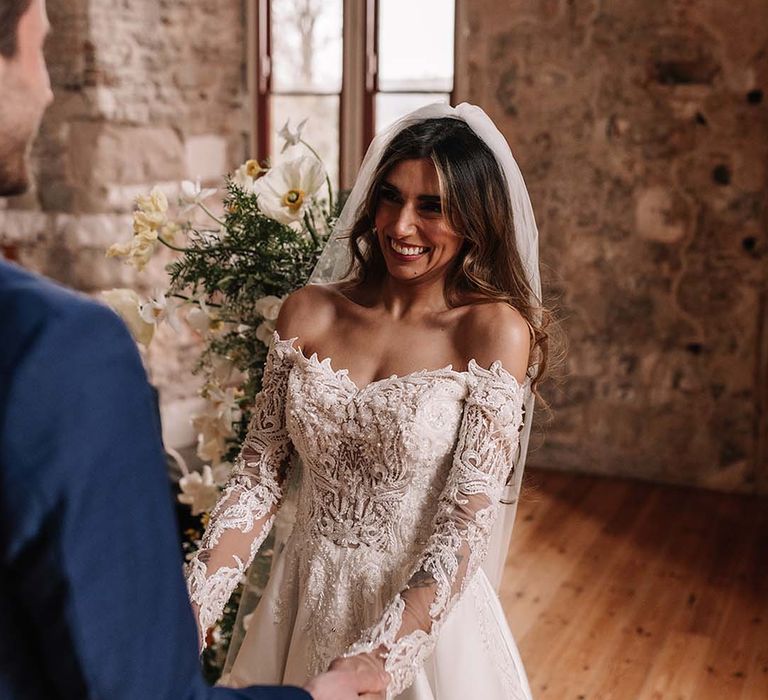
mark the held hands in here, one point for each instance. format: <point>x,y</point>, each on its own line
<point>351,678</point>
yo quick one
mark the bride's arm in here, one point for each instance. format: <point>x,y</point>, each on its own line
<point>487,443</point>
<point>243,516</point>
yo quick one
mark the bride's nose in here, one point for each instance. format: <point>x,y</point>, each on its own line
<point>406,224</point>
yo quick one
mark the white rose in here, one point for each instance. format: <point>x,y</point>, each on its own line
<point>268,307</point>
<point>265,332</point>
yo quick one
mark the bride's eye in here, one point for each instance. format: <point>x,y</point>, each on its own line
<point>389,195</point>
<point>432,208</point>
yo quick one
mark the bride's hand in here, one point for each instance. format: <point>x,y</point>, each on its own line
<point>350,678</point>
<point>363,665</point>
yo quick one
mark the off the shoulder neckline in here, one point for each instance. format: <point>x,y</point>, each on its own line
<point>496,370</point>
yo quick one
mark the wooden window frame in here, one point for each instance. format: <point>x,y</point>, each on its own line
<point>360,83</point>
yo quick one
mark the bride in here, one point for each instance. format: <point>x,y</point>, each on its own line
<point>411,431</point>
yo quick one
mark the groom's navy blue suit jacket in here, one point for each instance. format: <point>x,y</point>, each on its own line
<point>92,599</point>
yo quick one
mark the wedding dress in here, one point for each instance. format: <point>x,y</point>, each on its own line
<point>399,488</point>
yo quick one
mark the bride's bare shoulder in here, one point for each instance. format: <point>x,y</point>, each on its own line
<point>308,311</point>
<point>497,331</point>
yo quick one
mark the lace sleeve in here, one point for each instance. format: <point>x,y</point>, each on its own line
<point>243,516</point>
<point>407,630</point>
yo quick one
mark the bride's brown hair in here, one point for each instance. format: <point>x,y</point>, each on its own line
<point>475,200</point>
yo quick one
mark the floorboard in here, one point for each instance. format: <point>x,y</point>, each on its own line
<point>622,590</point>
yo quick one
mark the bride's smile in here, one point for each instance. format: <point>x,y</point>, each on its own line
<point>413,231</point>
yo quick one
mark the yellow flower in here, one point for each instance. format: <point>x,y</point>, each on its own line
<point>154,203</point>
<point>140,252</point>
<point>146,225</point>
<point>117,250</point>
<point>214,425</point>
<point>149,221</point>
<point>169,230</point>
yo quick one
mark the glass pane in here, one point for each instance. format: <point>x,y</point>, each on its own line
<point>416,45</point>
<point>391,106</point>
<point>306,45</point>
<point>321,131</point>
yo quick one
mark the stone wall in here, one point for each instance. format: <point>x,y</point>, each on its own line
<point>146,92</point>
<point>642,129</point>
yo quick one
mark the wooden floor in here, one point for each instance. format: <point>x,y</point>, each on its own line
<point>621,590</point>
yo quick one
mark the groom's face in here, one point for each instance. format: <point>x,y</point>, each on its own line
<point>25,92</point>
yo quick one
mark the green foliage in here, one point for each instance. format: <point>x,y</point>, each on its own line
<point>227,270</point>
<point>249,257</point>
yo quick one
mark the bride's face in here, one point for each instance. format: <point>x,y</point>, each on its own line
<point>415,236</point>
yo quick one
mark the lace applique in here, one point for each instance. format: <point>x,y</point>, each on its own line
<point>406,632</point>
<point>361,452</point>
<point>244,514</point>
<point>397,492</point>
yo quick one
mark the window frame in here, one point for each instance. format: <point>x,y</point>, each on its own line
<point>360,83</point>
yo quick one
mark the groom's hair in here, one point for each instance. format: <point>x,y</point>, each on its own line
<point>11,11</point>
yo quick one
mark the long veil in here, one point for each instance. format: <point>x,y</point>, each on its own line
<point>334,262</point>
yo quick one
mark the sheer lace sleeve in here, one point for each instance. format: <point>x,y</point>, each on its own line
<point>243,516</point>
<point>407,630</point>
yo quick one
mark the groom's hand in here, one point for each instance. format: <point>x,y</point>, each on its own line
<point>350,679</point>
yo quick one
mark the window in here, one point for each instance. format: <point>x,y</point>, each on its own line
<point>415,56</point>
<point>350,66</point>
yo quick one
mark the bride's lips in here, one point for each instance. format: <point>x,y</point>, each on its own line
<point>403,256</point>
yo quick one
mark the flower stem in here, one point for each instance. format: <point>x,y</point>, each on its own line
<point>327,177</point>
<point>310,224</point>
<point>176,295</point>
<point>211,214</point>
<point>174,247</point>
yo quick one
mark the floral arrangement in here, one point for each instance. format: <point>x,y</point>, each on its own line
<point>227,281</point>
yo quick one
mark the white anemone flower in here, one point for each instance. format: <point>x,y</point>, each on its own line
<point>160,309</point>
<point>285,191</point>
<point>245,176</point>
<point>192,194</point>
<point>290,137</point>
<point>128,305</point>
<point>199,491</point>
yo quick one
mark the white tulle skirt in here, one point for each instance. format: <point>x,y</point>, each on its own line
<point>475,655</point>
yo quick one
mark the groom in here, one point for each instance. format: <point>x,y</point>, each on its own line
<point>92,598</point>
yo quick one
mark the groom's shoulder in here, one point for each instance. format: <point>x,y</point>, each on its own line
<point>37,310</point>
